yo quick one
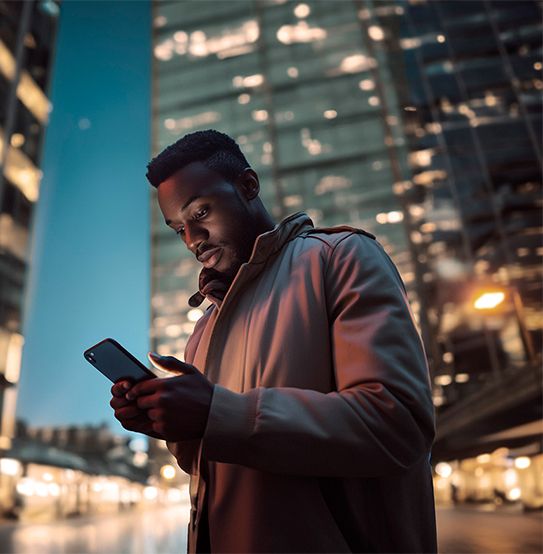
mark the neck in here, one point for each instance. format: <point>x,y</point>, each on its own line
<point>263,221</point>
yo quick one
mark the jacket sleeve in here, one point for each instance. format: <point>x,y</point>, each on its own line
<point>186,454</point>
<point>381,420</point>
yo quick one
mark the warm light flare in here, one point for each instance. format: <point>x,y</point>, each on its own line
<point>443,469</point>
<point>489,300</point>
<point>522,462</point>
<point>167,471</point>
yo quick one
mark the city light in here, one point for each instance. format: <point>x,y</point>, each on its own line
<point>195,314</point>
<point>150,493</point>
<point>292,72</point>
<point>140,459</point>
<point>9,466</point>
<point>389,217</point>
<point>522,462</point>
<point>514,493</point>
<point>174,495</point>
<point>443,469</point>
<point>489,300</point>
<point>510,478</point>
<point>250,81</point>
<point>366,84</point>
<point>376,33</point>
<point>301,32</point>
<point>302,10</point>
<point>260,115</point>
<point>167,471</point>
<point>356,63</point>
<point>443,380</point>
<point>17,140</point>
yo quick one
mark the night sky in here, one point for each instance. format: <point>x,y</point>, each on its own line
<point>90,265</point>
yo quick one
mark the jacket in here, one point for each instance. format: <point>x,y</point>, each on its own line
<point>321,422</point>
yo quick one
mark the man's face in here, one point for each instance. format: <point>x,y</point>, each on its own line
<point>213,219</point>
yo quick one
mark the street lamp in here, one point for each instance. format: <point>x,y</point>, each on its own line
<point>167,471</point>
<point>493,297</point>
<point>489,300</point>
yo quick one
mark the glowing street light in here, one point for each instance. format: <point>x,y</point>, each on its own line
<point>489,300</point>
<point>522,462</point>
<point>167,471</point>
<point>494,297</point>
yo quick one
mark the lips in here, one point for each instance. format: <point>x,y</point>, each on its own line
<point>210,258</point>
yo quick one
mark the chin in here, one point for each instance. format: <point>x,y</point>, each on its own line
<point>228,269</point>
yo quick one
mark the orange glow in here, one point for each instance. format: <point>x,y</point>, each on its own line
<point>489,300</point>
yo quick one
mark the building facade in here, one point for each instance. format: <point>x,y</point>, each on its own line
<point>27,37</point>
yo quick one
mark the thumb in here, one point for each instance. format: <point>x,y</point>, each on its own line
<point>170,364</point>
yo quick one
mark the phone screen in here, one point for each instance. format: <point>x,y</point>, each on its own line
<point>115,362</point>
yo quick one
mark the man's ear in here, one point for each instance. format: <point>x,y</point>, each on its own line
<point>248,184</point>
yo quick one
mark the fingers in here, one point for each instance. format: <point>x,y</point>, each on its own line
<point>215,287</point>
<point>148,401</point>
<point>142,424</point>
<point>117,402</point>
<point>128,412</point>
<point>120,387</point>
<point>170,363</point>
<point>155,414</point>
<point>148,386</point>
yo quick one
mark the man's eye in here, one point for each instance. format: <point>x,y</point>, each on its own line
<point>200,213</point>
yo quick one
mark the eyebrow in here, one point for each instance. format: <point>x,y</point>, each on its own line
<point>185,205</point>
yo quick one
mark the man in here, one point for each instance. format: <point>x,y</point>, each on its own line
<point>303,413</point>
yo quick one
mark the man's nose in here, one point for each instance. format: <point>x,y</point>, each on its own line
<point>194,235</point>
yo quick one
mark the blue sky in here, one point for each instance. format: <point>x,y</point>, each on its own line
<point>90,269</point>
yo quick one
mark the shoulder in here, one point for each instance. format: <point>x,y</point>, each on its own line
<point>333,236</point>
<point>355,250</point>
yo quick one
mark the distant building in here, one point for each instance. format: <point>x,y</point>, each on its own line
<point>27,38</point>
<point>298,87</point>
<point>103,452</point>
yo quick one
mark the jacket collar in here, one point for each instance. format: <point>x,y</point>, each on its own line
<point>266,245</point>
<point>270,242</point>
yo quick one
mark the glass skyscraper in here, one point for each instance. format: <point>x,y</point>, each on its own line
<point>419,121</point>
<point>299,89</point>
<point>27,36</point>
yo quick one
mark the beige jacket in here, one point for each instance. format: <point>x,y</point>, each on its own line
<point>321,421</point>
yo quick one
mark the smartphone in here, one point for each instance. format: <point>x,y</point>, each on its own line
<point>115,362</point>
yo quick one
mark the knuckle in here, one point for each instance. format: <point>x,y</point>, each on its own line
<point>140,402</point>
<point>158,426</point>
<point>163,400</point>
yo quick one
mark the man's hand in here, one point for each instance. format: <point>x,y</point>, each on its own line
<point>213,284</point>
<point>127,412</point>
<point>177,407</point>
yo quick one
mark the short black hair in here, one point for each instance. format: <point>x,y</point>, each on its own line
<point>216,150</point>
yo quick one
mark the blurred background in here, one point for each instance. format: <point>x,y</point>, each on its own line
<point>417,120</point>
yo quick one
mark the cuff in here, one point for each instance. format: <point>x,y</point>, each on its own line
<point>230,424</point>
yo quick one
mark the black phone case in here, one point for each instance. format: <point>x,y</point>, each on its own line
<point>115,362</point>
